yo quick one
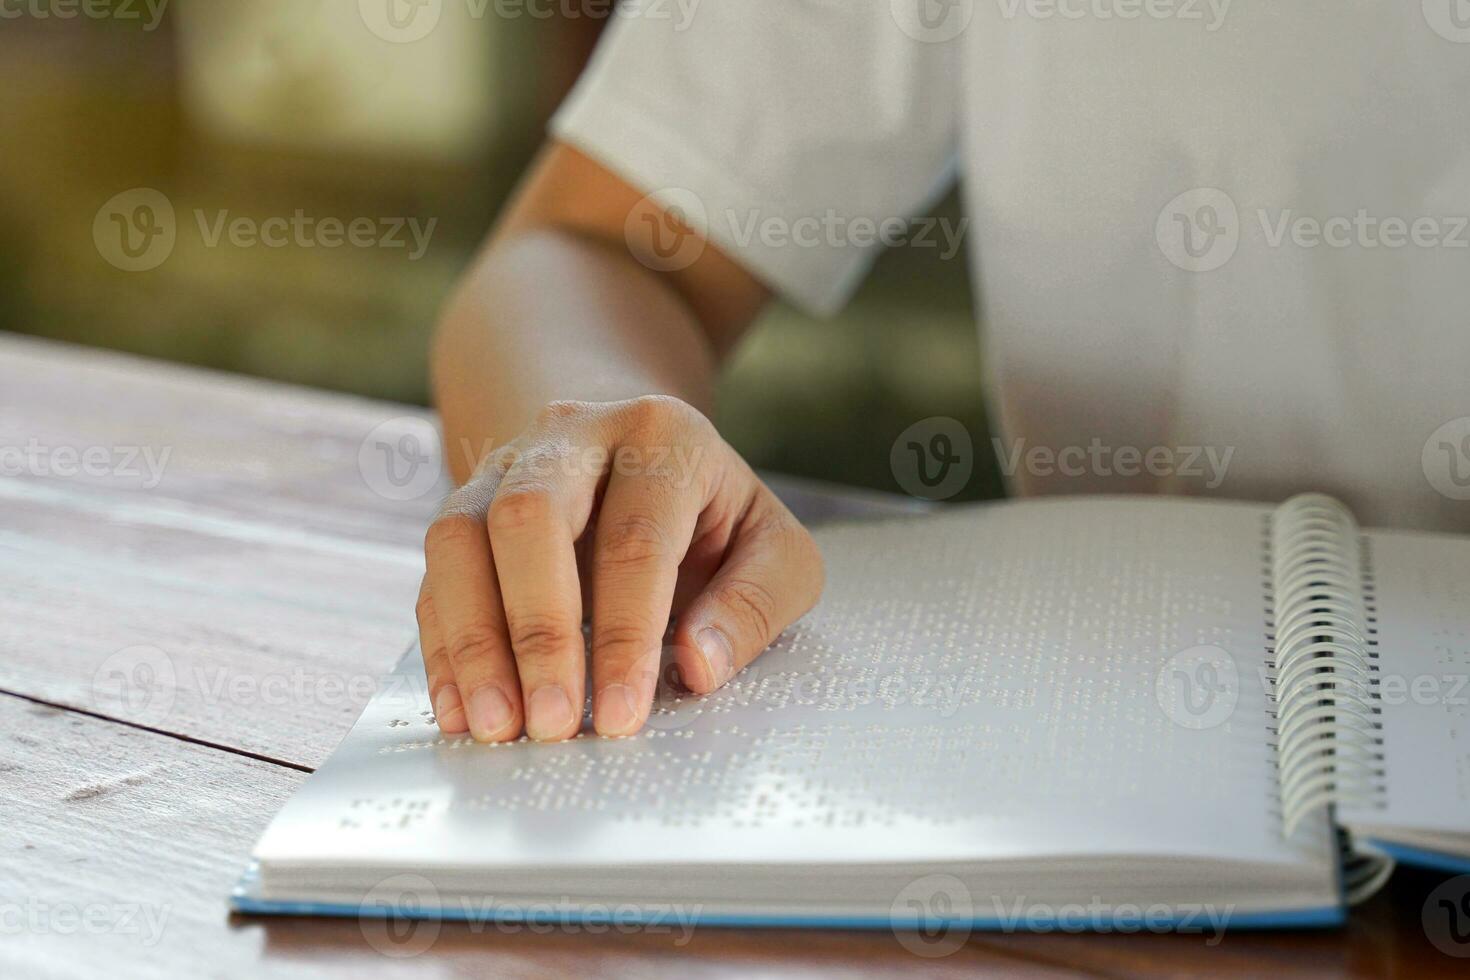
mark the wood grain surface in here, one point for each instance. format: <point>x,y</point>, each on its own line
<point>176,654</point>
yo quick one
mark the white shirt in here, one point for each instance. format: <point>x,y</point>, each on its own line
<point>1235,227</point>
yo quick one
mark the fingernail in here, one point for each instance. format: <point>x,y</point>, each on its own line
<point>548,712</point>
<point>449,709</point>
<point>490,712</point>
<point>616,710</point>
<point>715,650</point>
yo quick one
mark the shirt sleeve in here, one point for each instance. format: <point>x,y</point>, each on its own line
<point>805,131</point>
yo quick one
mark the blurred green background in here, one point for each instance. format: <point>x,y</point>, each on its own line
<point>267,107</point>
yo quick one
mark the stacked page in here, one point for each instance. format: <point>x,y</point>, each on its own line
<point>1006,710</point>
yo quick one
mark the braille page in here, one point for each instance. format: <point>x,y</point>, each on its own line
<point>1422,595</point>
<point>1039,679</point>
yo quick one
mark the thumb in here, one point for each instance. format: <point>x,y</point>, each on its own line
<point>772,574</point>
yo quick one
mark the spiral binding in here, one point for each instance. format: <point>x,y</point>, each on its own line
<point>1328,736</point>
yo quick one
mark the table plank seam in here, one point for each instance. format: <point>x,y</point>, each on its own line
<point>205,743</point>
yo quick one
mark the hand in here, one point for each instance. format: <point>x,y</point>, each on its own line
<point>638,506</point>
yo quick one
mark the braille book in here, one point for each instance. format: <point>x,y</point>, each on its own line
<point>997,714</point>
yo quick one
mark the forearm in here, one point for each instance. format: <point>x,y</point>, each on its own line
<point>547,315</point>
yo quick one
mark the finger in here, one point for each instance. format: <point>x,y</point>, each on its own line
<point>538,511</point>
<point>443,693</point>
<point>468,609</point>
<point>771,576</point>
<point>643,531</point>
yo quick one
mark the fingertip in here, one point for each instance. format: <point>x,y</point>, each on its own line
<point>449,711</point>
<point>549,714</point>
<point>704,661</point>
<point>492,718</point>
<point>616,712</point>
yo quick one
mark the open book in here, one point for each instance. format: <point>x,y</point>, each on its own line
<point>1002,715</point>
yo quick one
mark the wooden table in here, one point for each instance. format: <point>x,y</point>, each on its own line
<point>272,578</point>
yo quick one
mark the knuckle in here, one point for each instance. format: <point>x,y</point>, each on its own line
<point>541,636</point>
<point>560,412</point>
<point>518,508</point>
<point>452,531</point>
<point>751,603</point>
<point>632,538</point>
<point>657,412</point>
<point>424,610</point>
<point>473,649</point>
<point>620,637</point>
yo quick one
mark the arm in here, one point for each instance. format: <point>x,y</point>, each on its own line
<point>571,376</point>
<point>557,306</point>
